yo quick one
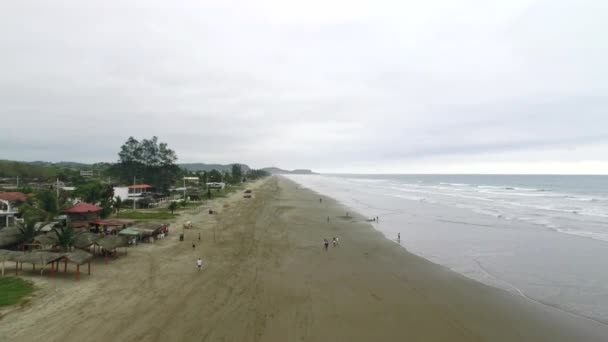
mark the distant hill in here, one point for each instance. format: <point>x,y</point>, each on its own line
<point>193,167</point>
<point>279,171</point>
<point>64,164</point>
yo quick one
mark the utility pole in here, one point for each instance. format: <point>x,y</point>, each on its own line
<point>57,189</point>
<point>184,188</point>
<point>133,191</point>
<point>17,182</point>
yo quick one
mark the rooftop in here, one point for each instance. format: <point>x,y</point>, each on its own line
<point>140,186</point>
<point>83,207</point>
<point>13,196</point>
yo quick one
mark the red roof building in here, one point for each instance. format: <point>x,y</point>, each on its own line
<point>83,207</point>
<point>83,213</point>
<point>13,196</point>
<point>140,186</point>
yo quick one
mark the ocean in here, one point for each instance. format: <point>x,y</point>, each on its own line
<point>541,237</point>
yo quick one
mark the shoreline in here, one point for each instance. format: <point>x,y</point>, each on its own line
<point>267,278</point>
<point>516,291</point>
<point>518,294</point>
<point>489,249</point>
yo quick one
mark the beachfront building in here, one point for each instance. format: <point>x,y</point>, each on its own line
<point>83,214</point>
<point>8,210</point>
<point>216,185</point>
<point>133,192</point>
<point>87,173</point>
<point>139,191</point>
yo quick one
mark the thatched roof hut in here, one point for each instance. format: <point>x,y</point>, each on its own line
<point>78,257</point>
<point>6,255</point>
<point>10,236</point>
<point>85,240</point>
<point>112,242</point>
<point>41,258</point>
<point>45,240</point>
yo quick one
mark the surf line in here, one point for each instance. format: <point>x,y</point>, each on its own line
<point>522,294</point>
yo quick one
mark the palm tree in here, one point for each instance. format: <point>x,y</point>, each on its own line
<point>173,207</point>
<point>117,204</point>
<point>65,237</point>
<point>28,230</point>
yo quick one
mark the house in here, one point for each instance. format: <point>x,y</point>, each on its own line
<point>87,173</point>
<point>139,190</point>
<point>82,214</point>
<point>216,185</point>
<point>8,211</point>
<point>133,192</point>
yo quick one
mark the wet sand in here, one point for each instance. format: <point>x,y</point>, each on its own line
<point>267,278</point>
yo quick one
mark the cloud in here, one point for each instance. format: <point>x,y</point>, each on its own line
<point>338,85</point>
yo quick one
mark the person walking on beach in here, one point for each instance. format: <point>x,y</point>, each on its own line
<point>327,218</point>
<point>199,236</point>
<point>398,237</point>
<point>193,246</point>
<point>199,264</point>
<point>325,243</point>
<point>335,241</point>
<point>320,200</point>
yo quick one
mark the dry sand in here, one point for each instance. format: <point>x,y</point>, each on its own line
<point>267,278</point>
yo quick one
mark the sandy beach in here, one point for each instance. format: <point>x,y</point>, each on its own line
<point>267,278</point>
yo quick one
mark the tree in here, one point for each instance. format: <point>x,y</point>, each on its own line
<point>173,206</point>
<point>32,213</point>
<point>117,204</point>
<point>257,174</point>
<point>148,160</point>
<point>215,176</point>
<point>27,230</point>
<point>205,178</point>
<point>94,192</point>
<point>226,177</point>
<point>65,237</point>
<point>237,173</point>
<point>106,207</point>
<point>47,201</point>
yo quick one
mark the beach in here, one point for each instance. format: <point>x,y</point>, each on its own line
<point>266,277</point>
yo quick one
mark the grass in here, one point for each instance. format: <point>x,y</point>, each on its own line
<point>13,290</point>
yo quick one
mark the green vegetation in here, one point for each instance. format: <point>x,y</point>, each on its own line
<point>147,161</point>
<point>47,172</point>
<point>96,192</point>
<point>173,207</point>
<point>256,174</point>
<point>31,212</point>
<point>117,205</point>
<point>47,201</point>
<point>28,230</point>
<point>237,174</point>
<point>12,290</point>
<point>214,176</point>
<point>14,169</point>
<point>65,237</point>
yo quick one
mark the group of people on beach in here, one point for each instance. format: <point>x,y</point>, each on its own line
<point>335,242</point>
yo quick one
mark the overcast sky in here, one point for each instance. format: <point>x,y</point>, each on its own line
<point>512,86</point>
